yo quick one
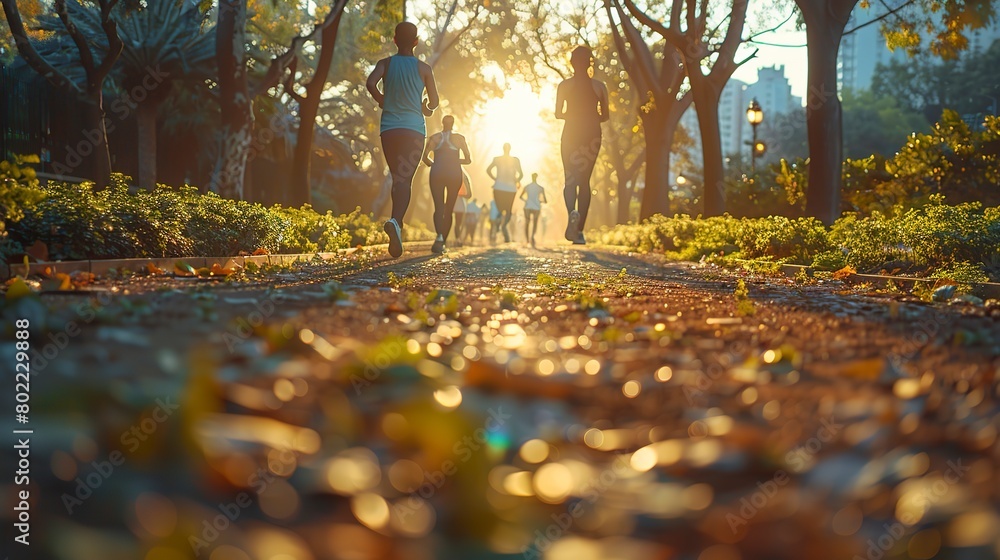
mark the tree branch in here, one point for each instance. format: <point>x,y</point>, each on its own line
<point>28,52</point>
<point>86,57</point>
<point>279,63</point>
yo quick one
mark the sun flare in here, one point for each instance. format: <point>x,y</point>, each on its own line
<point>518,117</point>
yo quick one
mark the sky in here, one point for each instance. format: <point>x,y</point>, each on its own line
<point>793,58</point>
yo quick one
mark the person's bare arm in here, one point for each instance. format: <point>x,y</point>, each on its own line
<point>518,174</point>
<point>463,146</point>
<point>602,100</point>
<point>427,150</point>
<point>561,102</point>
<point>491,170</point>
<point>545,199</point>
<point>524,194</point>
<point>433,100</point>
<point>373,79</point>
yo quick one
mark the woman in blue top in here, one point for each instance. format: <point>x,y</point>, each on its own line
<point>404,81</point>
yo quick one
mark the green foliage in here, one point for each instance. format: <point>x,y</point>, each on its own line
<point>933,237</point>
<point>744,305</point>
<point>830,260</point>
<point>962,272</point>
<point>79,222</point>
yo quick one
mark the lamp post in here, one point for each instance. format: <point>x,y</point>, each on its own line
<point>755,116</point>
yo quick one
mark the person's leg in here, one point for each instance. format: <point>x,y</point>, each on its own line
<point>402,148</point>
<point>437,183</point>
<point>452,186</point>
<point>586,170</point>
<point>506,212</point>
<point>570,159</point>
<point>459,221</point>
<point>533,218</point>
<point>527,223</point>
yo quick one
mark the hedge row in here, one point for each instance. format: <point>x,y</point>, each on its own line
<point>80,222</point>
<point>937,239</point>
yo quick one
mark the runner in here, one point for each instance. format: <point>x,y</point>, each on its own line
<point>461,206</point>
<point>506,172</point>
<point>533,196</point>
<point>583,103</point>
<point>495,219</point>
<point>404,80</point>
<point>451,152</point>
<point>471,221</point>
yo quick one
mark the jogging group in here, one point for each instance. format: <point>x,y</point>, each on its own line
<point>405,89</point>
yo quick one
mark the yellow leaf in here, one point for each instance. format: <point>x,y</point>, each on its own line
<point>65,283</point>
<point>18,289</point>
<point>154,270</point>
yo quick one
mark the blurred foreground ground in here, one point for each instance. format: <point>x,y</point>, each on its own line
<point>513,403</point>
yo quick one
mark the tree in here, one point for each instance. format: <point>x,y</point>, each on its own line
<point>236,93</point>
<point>825,22</point>
<point>165,43</point>
<point>94,72</point>
<point>663,103</point>
<point>308,102</point>
<point>698,43</point>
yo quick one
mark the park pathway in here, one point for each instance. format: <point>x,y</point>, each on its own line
<point>561,403</point>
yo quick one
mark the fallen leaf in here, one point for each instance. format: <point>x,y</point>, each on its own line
<point>16,289</point>
<point>261,251</point>
<point>182,268</point>
<point>154,270</point>
<point>845,272</point>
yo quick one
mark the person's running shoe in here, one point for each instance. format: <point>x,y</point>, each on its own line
<point>572,233</point>
<point>438,246</point>
<point>580,239</point>
<point>395,234</point>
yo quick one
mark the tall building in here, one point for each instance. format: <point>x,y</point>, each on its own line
<point>772,90</point>
<point>864,49</point>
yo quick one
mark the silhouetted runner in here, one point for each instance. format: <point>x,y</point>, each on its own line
<point>582,102</point>
<point>451,152</point>
<point>506,174</point>
<point>404,80</point>
<point>462,207</point>
<point>533,196</point>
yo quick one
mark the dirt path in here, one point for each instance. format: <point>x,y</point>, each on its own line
<point>518,403</point>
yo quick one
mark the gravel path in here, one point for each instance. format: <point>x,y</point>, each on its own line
<point>559,403</point>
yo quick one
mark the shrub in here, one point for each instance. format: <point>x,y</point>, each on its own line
<point>79,222</point>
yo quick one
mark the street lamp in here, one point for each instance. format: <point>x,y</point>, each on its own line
<point>755,116</point>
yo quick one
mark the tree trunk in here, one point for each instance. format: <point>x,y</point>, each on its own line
<point>96,123</point>
<point>234,100</point>
<point>706,104</point>
<point>146,123</point>
<point>301,187</point>
<point>624,199</point>
<point>659,134</point>
<point>300,190</point>
<point>825,22</point>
